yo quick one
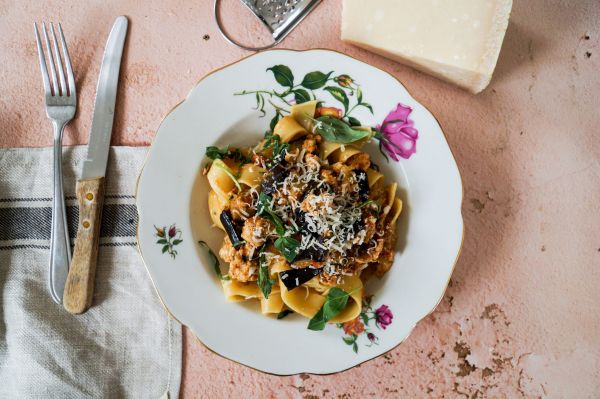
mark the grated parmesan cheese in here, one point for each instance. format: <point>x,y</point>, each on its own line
<point>333,218</point>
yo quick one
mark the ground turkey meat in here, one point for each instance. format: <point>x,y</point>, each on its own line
<point>256,230</point>
<point>328,177</point>
<point>243,265</point>
<point>386,257</point>
<point>361,160</point>
<point>241,206</point>
<point>310,144</point>
<point>313,162</point>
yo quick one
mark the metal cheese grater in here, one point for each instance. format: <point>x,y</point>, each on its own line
<point>279,16</point>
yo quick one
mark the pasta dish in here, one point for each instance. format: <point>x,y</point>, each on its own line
<point>308,217</point>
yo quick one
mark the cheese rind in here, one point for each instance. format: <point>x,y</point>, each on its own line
<point>455,40</point>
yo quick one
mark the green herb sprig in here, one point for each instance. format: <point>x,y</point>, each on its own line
<point>265,283</point>
<point>284,313</point>
<point>213,153</point>
<point>279,148</point>
<point>264,209</point>
<point>215,261</point>
<point>288,246</point>
<point>369,203</point>
<point>338,131</point>
<point>334,303</point>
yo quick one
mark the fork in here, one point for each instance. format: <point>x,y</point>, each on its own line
<point>61,104</point>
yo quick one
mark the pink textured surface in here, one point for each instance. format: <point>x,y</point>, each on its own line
<point>522,314</point>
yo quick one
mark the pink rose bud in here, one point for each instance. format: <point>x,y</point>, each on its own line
<point>383,316</point>
<point>399,137</point>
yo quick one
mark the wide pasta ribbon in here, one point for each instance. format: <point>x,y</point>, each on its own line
<point>307,301</point>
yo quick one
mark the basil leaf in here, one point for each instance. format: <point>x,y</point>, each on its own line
<point>283,75</point>
<point>264,281</point>
<point>301,96</point>
<point>317,323</point>
<point>369,202</point>
<point>274,121</point>
<point>288,247</point>
<point>353,121</point>
<point>220,153</point>
<point>273,140</point>
<point>216,152</point>
<point>284,313</point>
<point>264,210</point>
<point>315,80</point>
<point>334,303</point>
<point>338,94</point>
<point>215,261</point>
<point>338,131</point>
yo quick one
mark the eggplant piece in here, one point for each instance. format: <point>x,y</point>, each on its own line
<point>275,175</point>
<point>363,184</point>
<point>313,188</point>
<point>309,189</point>
<point>313,253</point>
<point>299,218</point>
<point>357,226</point>
<point>316,254</point>
<point>294,278</point>
<point>232,230</point>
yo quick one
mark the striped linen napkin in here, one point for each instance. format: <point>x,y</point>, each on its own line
<point>126,345</point>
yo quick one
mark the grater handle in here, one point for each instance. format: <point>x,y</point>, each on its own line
<point>217,14</point>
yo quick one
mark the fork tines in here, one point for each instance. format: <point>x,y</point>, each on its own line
<point>62,65</point>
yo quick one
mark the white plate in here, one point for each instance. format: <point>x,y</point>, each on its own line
<point>173,192</point>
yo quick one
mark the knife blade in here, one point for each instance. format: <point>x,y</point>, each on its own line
<point>104,106</point>
<point>79,287</point>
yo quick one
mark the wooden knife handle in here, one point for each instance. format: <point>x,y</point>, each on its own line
<point>79,288</point>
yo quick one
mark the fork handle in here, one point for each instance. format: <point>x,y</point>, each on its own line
<point>79,288</point>
<point>60,246</point>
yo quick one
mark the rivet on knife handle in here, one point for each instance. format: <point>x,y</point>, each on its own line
<point>79,288</point>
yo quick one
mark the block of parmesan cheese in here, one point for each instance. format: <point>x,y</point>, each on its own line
<point>455,40</point>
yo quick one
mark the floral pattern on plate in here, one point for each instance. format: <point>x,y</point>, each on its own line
<point>168,238</point>
<point>362,327</point>
<point>397,135</point>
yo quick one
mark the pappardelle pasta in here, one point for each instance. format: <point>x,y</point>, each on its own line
<point>308,218</point>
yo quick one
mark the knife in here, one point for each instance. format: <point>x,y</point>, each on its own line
<point>79,287</point>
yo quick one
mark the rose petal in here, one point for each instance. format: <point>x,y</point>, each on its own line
<point>411,132</point>
<point>401,113</point>
<point>399,138</point>
<point>401,144</point>
<point>391,150</point>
